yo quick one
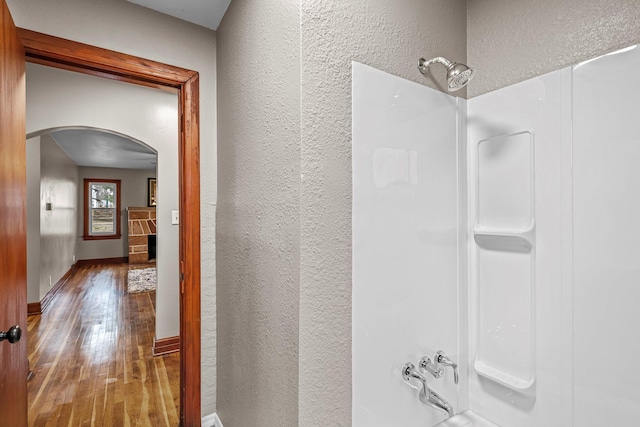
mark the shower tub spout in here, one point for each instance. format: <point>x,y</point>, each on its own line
<point>426,396</point>
<point>433,399</point>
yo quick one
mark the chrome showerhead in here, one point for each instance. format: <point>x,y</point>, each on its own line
<point>458,75</point>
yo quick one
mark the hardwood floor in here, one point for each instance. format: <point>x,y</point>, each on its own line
<point>91,356</point>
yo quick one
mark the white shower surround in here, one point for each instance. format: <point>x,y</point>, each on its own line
<point>405,257</point>
<point>414,238</point>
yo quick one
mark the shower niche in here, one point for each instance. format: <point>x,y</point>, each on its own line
<point>517,145</point>
<point>504,235</point>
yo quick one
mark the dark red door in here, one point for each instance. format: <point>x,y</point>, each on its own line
<point>13,242</point>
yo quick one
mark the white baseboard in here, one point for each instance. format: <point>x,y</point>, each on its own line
<point>211,420</point>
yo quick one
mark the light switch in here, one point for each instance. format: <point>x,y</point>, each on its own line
<point>175,218</point>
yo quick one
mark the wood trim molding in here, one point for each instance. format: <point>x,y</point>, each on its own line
<point>164,346</point>
<point>44,304</point>
<point>99,261</point>
<point>34,308</point>
<point>190,248</point>
<point>66,54</point>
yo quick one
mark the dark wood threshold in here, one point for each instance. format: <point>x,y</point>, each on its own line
<point>165,345</point>
<point>99,261</point>
<point>34,308</point>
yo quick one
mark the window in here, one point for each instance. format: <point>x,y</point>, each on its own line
<point>101,209</point>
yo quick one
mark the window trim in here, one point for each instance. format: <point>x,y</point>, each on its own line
<point>87,196</point>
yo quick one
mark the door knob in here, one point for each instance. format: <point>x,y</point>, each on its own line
<point>12,335</point>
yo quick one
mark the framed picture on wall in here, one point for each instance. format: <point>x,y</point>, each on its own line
<point>151,199</point>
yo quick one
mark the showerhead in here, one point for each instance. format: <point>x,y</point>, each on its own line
<point>458,75</point>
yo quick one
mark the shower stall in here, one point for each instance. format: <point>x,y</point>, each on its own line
<point>501,233</point>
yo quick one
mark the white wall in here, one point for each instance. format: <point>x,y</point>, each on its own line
<point>58,99</point>
<point>133,193</point>
<point>606,154</point>
<point>58,238</point>
<point>406,219</point>
<point>33,219</point>
<point>131,29</point>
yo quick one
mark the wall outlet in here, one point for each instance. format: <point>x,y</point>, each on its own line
<point>50,281</point>
<point>73,259</point>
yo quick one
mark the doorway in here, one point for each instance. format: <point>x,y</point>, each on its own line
<point>60,53</point>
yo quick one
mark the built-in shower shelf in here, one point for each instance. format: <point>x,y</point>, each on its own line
<point>505,260</point>
<point>505,240</point>
<point>522,385</point>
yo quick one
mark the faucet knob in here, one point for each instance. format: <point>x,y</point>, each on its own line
<point>409,372</point>
<point>441,359</point>
<point>408,369</point>
<point>433,368</point>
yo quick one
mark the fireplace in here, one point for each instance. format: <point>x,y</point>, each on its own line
<point>142,235</point>
<point>151,246</point>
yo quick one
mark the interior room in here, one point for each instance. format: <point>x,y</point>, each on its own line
<point>407,213</point>
<point>95,269</point>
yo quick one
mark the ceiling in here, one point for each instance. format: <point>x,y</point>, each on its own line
<point>207,13</point>
<point>96,148</point>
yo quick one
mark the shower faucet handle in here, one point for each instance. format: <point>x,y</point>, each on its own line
<point>409,372</point>
<point>441,359</point>
<point>434,368</point>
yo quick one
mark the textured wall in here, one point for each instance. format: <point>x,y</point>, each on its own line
<point>128,28</point>
<point>513,40</point>
<point>258,228</point>
<point>389,35</point>
<point>58,186</point>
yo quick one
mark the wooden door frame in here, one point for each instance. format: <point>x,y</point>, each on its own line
<point>69,55</point>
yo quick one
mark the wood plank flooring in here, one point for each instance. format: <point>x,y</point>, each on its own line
<point>91,356</point>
